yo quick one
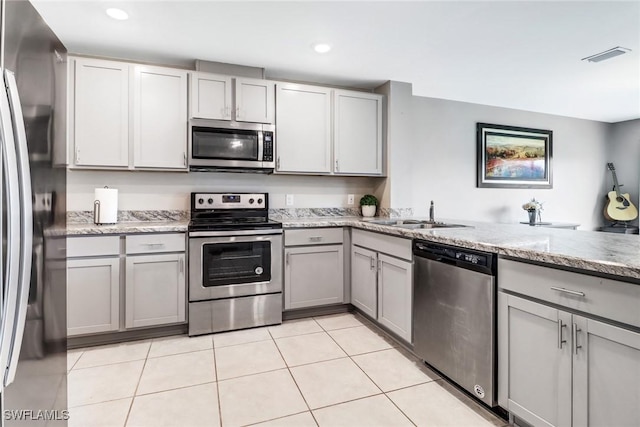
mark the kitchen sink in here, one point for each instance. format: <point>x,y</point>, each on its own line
<point>415,223</point>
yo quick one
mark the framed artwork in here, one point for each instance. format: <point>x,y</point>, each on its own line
<point>514,157</point>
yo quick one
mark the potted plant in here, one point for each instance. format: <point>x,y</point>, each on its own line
<point>368,202</point>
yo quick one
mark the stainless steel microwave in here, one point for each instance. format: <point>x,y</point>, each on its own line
<point>231,146</point>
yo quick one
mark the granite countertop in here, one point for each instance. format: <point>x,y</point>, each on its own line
<point>84,229</point>
<point>609,253</point>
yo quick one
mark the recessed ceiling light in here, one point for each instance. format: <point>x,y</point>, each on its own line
<point>118,14</point>
<point>321,47</point>
<point>607,54</point>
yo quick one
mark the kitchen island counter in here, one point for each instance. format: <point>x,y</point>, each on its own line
<point>606,253</point>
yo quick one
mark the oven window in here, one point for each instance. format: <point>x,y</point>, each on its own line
<point>235,263</point>
<point>230,144</point>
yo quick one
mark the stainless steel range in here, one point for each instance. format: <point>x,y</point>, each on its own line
<point>235,263</point>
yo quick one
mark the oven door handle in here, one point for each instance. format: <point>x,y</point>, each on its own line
<point>228,233</point>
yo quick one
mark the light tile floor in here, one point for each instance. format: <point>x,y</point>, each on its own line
<point>327,371</point>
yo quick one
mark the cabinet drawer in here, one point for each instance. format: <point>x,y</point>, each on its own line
<point>314,236</point>
<point>609,299</point>
<point>155,243</point>
<point>93,246</point>
<point>394,246</point>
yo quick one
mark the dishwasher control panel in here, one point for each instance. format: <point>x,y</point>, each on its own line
<point>452,254</point>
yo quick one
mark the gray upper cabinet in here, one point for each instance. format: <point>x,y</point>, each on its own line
<point>210,96</point>
<point>99,113</point>
<point>254,100</point>
<point>303,129</point>
<point>357,133</point>
<point>159,118</point>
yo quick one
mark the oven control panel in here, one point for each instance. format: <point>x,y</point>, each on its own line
<point>207,201</point>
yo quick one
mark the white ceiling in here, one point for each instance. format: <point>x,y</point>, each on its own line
<point>516,54</point>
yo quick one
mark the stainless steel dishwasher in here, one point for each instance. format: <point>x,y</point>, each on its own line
<point>454,318</point>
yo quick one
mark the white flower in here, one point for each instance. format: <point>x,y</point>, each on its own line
<point>532,205</point>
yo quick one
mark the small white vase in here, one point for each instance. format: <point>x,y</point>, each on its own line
<point>368,211</point>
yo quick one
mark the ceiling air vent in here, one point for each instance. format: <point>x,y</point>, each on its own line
<point>607,54</point>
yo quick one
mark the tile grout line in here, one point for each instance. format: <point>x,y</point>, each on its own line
<point>215,369</point>
<point>304,399</point>
<point>133,398</point>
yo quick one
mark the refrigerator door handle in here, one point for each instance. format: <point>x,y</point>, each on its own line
<point>26,233</point>
<point>12,267</point>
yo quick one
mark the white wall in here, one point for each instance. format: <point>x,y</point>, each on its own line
<point>625,154</point>
<point>444,165</point>
<point>171,190</point>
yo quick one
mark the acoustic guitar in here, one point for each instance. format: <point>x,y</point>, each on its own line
<point>619,206</point>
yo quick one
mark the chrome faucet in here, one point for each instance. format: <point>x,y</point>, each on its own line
<point>431,209</point>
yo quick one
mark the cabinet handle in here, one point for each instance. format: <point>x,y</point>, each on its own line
<point>337,166</point>
<point>560,340</point>
<point>315,239</point>
<point>77,155</point>
<point>154,245</point>
<point>184,158</point>
<point>379,265</point>
<point>568,291</point>
<point>286,258</point>
<point>278,163</point>
<point>373,264</point>
<point>181,265</point>
<point>575,338</point>
<point>238,112</point>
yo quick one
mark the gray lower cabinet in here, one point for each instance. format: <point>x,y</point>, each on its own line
<point>364,277</point>
<point>155,292</point>
<point>313,276</point>
<point>395,295</point>
<point>313,267</point>
<point>93,295</point>
<point>562,368</point>
<point>382,280</point>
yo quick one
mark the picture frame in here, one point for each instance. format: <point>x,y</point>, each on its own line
<point>514,157</point>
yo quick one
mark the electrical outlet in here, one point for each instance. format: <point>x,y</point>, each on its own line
<point>350,199</point>
<point>289,199</point>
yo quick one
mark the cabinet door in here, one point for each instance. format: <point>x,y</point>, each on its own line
<point>313,276</point>
<point>255,100</point>
<point>357,133</point>
<point>606,374</point>
<point>534,361</point>
<point>101,113</point>
<point>210,96</point>
<point>364,274</point>
<point>155,290</point>
<point>160,118</point>
<point>93,295</point>
<point>395,295</point>
<point>303,133</point>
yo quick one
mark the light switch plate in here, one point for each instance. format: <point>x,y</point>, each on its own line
<point>289,199</point>
<point>350,199</point>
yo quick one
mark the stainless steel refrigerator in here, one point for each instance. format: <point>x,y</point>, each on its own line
<point>33,368</point>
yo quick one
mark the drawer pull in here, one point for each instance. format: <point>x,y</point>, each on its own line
<point>315,239</point>
<point>153,245</point>
<point>569,291</point>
